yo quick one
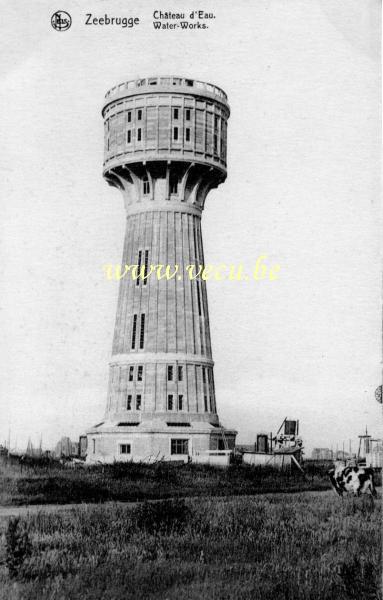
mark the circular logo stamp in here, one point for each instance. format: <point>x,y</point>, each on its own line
<point>61,20</point>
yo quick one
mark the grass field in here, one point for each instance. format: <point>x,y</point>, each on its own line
<point>298,546</point>
<point>132,482</point>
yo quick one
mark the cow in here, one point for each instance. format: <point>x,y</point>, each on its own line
<point>356,479</point>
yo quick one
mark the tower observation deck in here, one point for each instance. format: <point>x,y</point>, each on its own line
<point>165,149</point>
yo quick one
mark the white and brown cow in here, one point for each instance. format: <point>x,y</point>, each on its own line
<point>355,479</point>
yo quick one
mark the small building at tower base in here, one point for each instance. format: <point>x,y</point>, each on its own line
<point>152,441</point>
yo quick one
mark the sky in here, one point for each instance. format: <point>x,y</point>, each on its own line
<point>303,188</point>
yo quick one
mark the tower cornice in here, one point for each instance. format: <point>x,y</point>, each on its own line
<point>168,206</point>
<point>160,357</point>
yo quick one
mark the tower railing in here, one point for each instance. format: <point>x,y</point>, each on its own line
<point>166,81</point>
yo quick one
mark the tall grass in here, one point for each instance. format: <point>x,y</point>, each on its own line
<point>288,546</point>
<point>131,482</point>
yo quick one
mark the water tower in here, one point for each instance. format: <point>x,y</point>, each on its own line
<point>165,149</point>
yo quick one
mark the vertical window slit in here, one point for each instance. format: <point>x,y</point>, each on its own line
<point>199,298</point>
<point>142,332</point>
<point>146,265</point>
<point>139,267</point>
<point>134,330</point>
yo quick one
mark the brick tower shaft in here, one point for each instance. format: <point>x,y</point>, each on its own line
<point>165,149</point>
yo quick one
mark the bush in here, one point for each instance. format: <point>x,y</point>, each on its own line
<point>66,489</point>
<point>163,517</point>
<point>358,578</point>
<point>17,546</point>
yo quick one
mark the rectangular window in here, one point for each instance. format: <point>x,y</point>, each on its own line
<point>134,331</point>
<point>146,185</point>
<point>174,186</point>
<point>216,121</point>
<point>170,373</point>
<point>211,388</point>
<point>198,298</point>
<point>128,136</point>
<point>146,265</point>
<point>175,133</point>
<point>180,402</point>
<point>204,374</point>
<point>94,446</point>
<point>129,402</point>
<point>142,332</point>
<point>187,134</point>
<point>187,114</point>
<point>175,113</point>
<point>138,135</point>
<point>139,115</point>
<point>129,116</point>
<point>212,380</point>
<point>179,446</point>
<point>140,371</point>
<point>215,142</point>
<point>180,373</point>
<point>205,402</point>
<point>124,448</point>
<point>139,267</point>
<point>131,373</point>
<point>138,402</point>
<point>170,402</point>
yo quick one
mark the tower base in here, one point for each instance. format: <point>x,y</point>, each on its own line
<point>154,441</point>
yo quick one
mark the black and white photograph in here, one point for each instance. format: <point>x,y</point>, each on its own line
<point>191,300</point>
